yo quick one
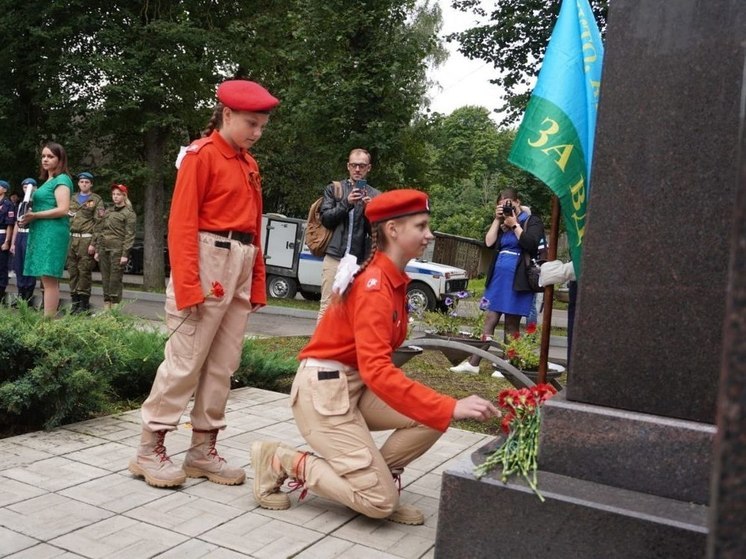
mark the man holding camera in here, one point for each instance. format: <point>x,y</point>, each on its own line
<point>345,216</point>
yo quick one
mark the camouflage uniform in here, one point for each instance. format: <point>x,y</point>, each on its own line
<point>83,220</point>
<point>114,238</point>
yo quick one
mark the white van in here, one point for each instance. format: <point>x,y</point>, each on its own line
<point>291,268</point>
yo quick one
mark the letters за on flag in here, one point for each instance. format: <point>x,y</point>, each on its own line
<point>555,139</point>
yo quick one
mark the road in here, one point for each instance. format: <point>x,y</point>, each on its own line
<point>271,321</point>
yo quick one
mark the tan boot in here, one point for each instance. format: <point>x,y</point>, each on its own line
<point>407,514</point>
<point>153,464</point>
<point>202,460</point>
<point>267,480</point>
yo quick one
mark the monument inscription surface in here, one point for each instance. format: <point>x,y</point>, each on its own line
<point>648,333</point>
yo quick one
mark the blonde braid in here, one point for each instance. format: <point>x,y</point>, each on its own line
<point>216,121</point>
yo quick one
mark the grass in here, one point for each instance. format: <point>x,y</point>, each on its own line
<point>294,304</point>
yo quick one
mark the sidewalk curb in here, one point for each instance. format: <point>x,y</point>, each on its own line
<point>135,295</point>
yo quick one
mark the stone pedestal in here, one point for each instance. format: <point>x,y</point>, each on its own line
<point>578,520</point>
<point>627,451</point>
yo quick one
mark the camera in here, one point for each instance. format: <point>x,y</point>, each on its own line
<point>508,208</point>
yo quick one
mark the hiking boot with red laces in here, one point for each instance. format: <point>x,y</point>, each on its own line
<point>153,464</point>
<point>202,460</point>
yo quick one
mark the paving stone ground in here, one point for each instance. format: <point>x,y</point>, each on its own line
<point>67,494</point>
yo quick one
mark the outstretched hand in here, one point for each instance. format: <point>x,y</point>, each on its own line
<point>475,407</point>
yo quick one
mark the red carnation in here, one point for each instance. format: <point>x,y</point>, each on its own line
<point>217,290</point>
<point>531,328</point>
<point>516,335</point>
<point>512,353</point>
<point>506,421</point>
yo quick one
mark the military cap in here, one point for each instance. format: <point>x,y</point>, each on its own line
<point>30,181</point>
<point>85,175</point>
<point>4,185</point>
<point>397,203</point>
<point>123,188</point>
<point>245,95</point>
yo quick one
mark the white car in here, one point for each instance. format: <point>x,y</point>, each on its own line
<point>291,268</point>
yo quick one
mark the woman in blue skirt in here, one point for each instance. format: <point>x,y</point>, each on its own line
<point>513,233</point>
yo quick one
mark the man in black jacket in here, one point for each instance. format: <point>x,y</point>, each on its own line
<point>345,216</point>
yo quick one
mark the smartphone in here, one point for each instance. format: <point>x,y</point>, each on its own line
<point>361,185</point>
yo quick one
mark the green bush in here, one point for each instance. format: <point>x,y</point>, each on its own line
<point>54,372</point>
<point>59,371</point>
<point>270,370</point>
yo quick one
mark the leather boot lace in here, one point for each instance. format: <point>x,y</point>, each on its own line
<point>213,452</point>
<point>160,449</point>
<point>299,479</point>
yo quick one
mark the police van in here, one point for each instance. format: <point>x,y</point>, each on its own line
<point>292,269</point>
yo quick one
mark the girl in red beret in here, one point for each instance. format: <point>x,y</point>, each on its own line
<point>347,386</point>
<point>217,280</point>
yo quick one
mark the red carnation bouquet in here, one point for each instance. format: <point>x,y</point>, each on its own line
<point>521,423</point>
<point>216,290</point>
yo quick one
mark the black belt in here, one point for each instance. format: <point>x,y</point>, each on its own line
<point>244,238</point>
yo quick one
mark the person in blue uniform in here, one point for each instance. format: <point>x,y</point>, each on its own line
<point>7,221</point>
<point>24,284</point>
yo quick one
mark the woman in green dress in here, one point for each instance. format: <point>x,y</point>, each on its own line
<point>49,225</point>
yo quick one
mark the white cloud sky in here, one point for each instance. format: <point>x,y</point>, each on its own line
<point>462,81</point>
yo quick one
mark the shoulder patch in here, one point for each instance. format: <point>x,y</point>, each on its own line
<point>192,148</point>
<point>197,145</point>
<point>373,281</point>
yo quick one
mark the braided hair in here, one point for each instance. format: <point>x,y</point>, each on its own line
<point>378,240</point>
<point>216,120</point>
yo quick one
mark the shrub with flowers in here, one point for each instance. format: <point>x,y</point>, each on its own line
<point>450,322</point>
<point>523,350</point>
<point>521,422</point>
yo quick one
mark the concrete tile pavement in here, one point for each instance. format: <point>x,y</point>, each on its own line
<point>67,493</point>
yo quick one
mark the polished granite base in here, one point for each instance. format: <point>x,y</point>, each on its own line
<point>486,519</point>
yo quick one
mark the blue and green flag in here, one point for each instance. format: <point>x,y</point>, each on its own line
<point>555,139</point>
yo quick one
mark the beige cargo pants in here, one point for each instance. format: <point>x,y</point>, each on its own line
<point>336,414</point>
<point>204,351</point>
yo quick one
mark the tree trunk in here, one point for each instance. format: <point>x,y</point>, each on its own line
<point>155,141</point>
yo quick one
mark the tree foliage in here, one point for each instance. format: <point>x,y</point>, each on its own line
<point>346,82</point>
<point>471,167</point>
<point>513,41</point>
<point>122,84</point>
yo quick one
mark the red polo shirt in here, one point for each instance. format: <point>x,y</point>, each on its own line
<point>217,189</point>
<point>363,329</point>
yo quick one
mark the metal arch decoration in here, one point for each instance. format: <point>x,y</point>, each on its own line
<point>515,376</point>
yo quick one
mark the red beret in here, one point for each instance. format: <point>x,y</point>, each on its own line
<point>397,203</point>
<point>244,95</point>
<point>121,187</point>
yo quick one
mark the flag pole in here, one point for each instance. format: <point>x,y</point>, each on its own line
<point>546,324</point>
